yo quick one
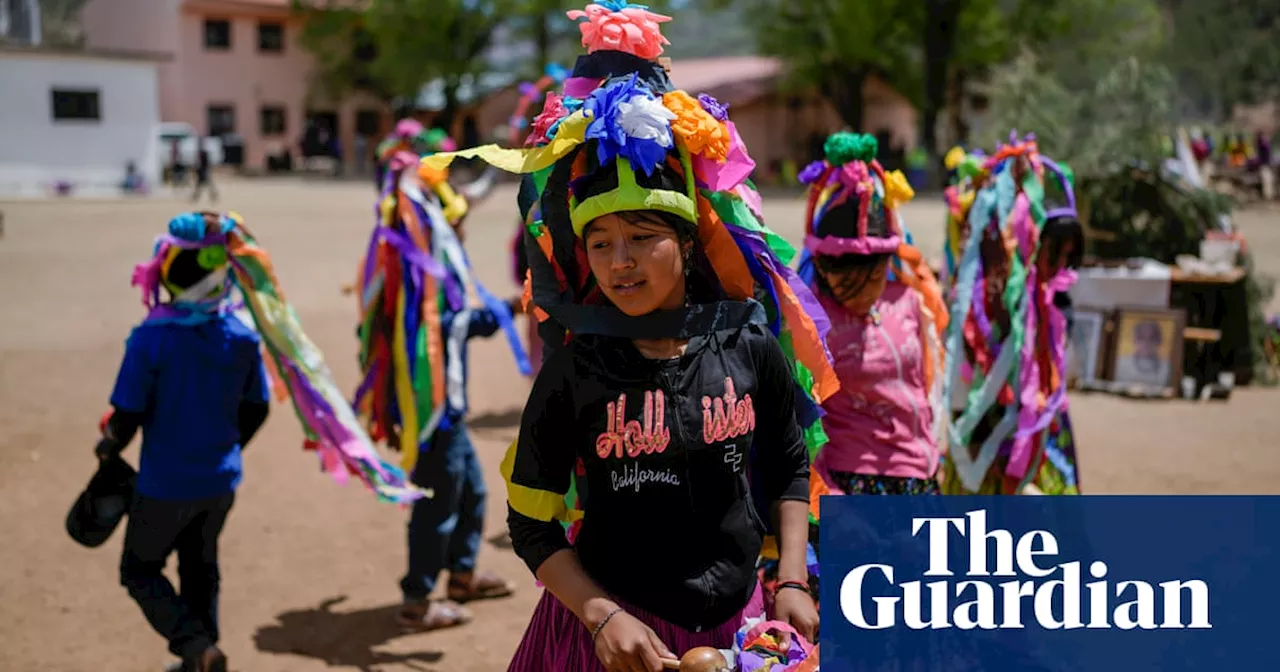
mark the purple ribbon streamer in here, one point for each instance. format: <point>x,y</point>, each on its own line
<point>980,311</point>
<point>452,285</point>
<point>1029,369</point>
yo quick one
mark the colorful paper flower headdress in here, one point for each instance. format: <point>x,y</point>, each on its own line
<point>620,137</point>
<point>851,183</point>
<point>404,148</point>
<point>233,258</point>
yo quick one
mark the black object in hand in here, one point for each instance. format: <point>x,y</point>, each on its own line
<point>99,509</point>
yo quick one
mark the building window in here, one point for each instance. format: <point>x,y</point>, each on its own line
<point>71,105</point>
<point>271,37</point>
<point>272,120</point>
<point>217,34</point>
<point>221,119</point>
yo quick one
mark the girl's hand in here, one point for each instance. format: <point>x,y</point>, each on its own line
<point>795,607</point>
<point>627,645</point>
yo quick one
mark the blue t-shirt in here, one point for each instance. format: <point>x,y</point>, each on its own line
<point>188,382</point>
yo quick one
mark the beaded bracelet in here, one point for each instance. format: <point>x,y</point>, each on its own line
<point>600,627</point>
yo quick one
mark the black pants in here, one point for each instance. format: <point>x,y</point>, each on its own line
<point>204,181</point>
<point>188,620</point>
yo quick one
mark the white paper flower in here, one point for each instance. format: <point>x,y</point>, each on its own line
<point>645,118</point>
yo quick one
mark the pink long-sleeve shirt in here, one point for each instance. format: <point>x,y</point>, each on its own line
<point>880,422</point>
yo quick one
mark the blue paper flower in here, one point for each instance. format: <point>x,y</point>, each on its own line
<point>628,121</point>
<point>557,72</point>
<point>619,5</point>
<point>188,226</point>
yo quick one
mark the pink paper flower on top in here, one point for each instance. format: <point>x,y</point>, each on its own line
<point>552,111</point>
<point>855,175</point>
<point>616,25</point>
<point>408,128</point>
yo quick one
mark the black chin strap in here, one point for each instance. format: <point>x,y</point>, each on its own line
<point>683,323</point>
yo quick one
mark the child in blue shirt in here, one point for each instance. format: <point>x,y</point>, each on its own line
<point>193,381</point>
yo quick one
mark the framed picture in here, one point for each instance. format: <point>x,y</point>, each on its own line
<point>1148,348</point>
<point>1087,346</point>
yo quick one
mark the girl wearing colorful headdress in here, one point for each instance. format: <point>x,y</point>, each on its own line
<point>1008,337</point>
<point>672,317</point>
<point>194,381</point>
<point>884,427</point>
<point>413,289</point>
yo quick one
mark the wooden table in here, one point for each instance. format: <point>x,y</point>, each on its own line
<point>1230,278</point>
<point>1217,333</point>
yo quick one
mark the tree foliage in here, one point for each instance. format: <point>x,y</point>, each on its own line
<point>931,51</point>
<point>342,49</point>
<point>1121,119</point>
<point>835,45</point>
<point>1225,52</point>
<point>421,40</point>
<point>395,47</point>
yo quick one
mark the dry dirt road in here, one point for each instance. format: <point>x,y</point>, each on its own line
<point>311,569</point>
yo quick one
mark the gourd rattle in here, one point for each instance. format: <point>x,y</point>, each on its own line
<point>700,659</point>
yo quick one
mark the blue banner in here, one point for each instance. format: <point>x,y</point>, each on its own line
<point>1097,583</point>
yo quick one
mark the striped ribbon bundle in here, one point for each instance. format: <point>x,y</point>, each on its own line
<point>1007,340</point>
<point>413,269</point>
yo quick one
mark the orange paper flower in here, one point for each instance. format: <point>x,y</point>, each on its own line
<point>612,25</point>
<point>430,176</point>
<point>700,132</point>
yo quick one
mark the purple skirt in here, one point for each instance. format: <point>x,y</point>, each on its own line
<point>557,640</point>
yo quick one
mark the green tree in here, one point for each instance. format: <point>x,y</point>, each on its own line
<point>1118,121</point>
<point>422,40</point>
<point>837,45</point>
<point>1225,52</point>
<point>543,22</point>
<point>343,51</point>
<point>395,47</point>
<point>1076,41</point>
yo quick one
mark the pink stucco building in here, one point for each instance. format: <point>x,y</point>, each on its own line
<point>237,67</point>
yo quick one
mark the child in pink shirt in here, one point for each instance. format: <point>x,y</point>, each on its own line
<point>884,426</point>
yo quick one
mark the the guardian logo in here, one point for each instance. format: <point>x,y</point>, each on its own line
<point>1044,590</point>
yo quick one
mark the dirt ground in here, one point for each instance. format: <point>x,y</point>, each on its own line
<point>311,569</point>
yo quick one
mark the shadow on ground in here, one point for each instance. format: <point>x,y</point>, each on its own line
<point>496,420</point>
<point>341,638</point>
<point>502,540</point>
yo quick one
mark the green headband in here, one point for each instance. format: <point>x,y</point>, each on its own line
<point>629,196</point>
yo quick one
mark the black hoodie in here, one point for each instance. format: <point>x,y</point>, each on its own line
<point>665,447</point>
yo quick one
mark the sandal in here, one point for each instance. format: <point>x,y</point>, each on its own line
<point>478,586</point>
<point>426,616</point>
<point>212,659</point>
